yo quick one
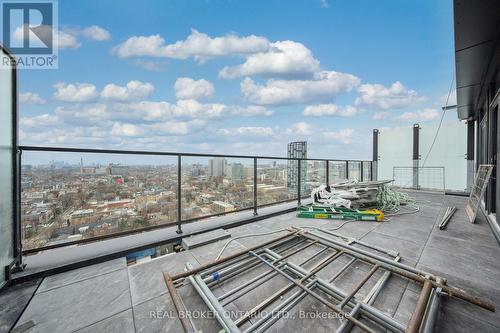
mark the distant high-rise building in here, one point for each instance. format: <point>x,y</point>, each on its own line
<point>237,171</point>
<point>296,149</point>
<point>216,167</point>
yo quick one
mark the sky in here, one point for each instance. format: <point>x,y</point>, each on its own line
<point>240,77</point>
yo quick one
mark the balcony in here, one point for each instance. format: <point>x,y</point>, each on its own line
<point>115,296</point>
<point>106,240</point>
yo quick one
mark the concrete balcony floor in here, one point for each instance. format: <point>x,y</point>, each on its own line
<point>114,297</point>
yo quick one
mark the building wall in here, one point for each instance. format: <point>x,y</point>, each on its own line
<point>296,150</point>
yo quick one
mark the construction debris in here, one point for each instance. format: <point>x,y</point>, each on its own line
<point>447,216</point>
<point>277,255</point>
<point>349,194</point>
<point>476,195</point>
<point>343,201</point>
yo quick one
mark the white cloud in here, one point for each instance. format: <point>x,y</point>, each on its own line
<point>96,33</point>
<point>80,114</point>
<point>246,131</point>
<point>132,130</point>
<point>300,128</point>
<point>324,3</point>
<point>187,88</point>
<point>65,40</point>
<point>344,135</point>
<point>324,86</point>
<point>395,97</point>
<point>283,58</point>
<point>31,98</point>
<point>329,110</point>
<point>381,115</point>
<point>189,108</point>
<point>197,45</point>
<point>177,127</point>
<point>249,111</point>
<point>41,120</point>
<point>418,116</point>
<point>78,92</point>
<point>132,91</point>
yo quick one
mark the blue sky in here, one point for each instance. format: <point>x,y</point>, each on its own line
<point>240,77</point>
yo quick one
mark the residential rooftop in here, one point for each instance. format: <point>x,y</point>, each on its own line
<point>113,297</point>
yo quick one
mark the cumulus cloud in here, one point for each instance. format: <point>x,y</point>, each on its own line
<point>133,90</point>
<point>188,108</point>
<point>246,131</point>
<point>249,111</point>
<point>329,110</point>
<point>96,33</point>
<point>283,58</point>
<point>132,130</point>
<point>175,127</point>
<point>41,120</point>
<point>324,86</point>
<point>31,98</point>
<point>301,128</point>
<point>78,92</point>
<point>83,113</point>
<point>197,45</point>
<point>344,135</point>
<point>187,88</point>
<point>68,38</point>
<point>394,97</point>
<point>65,40</point>
<point>419,116</point>
<point>381,115</point>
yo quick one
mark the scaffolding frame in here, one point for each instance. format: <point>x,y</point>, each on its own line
<point>275,254</point>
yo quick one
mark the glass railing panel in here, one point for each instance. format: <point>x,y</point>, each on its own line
<point>72,196</point>
<point>355,170</point>
<point>337,170</point>
<point>367,170</point>
<point>217,185</point>
<point>315,176</point>
<point>274,181</point>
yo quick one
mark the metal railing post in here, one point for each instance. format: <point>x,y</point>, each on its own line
<point>179,194</point>
<point>255,186</point>
<point>18,229</point>
<point>361,171</point>
<point>299,165</point>
<point>347,170</point>
<point>327,172</point>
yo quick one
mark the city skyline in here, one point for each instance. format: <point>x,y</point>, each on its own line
<point>65,202</point>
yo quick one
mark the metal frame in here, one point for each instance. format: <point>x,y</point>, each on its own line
<point>416,176</point>
<point>16,263</point>
<point>276,255</point>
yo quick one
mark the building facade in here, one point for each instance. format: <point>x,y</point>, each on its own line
<point>297,149</point>
<point>477,64</point>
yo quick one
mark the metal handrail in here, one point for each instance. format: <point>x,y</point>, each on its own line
<point>179,156</point>
<point>161,153</point>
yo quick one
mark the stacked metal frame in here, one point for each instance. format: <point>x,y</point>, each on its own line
<point>351,310</point>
